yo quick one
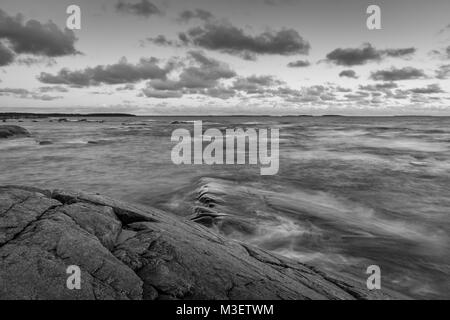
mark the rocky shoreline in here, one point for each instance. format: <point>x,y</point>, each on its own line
<point>127,251</point>
<point>9,131</point>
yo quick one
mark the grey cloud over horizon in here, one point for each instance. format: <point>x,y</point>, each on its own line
<point>398,74</point>
<point>119,73</point>
<point>188,15</point>
<point>144,8</point>
<point>430,89</point>
<point>364,54</point>
<point>348,74</point>
<point>299,64</point>
<point>255,84</point>
<point>443,72</point>
<point>201,73</point>
<point>402,52</point>
<point>224,37</point>
<point>379,86</point>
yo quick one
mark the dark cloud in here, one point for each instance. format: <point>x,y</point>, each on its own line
<point>342,89</point>
<point>128,86</point>
<point>161,40</point>
<point>299,64</point>
<point>394,74</point>
<point>166,85</point>
<point>316,90</point>
<point>430,89</point>
<point>348,74</point>
<point>287,92</point>
<point>443,72</point>
<point>144,8</point>
<point>255,84</point>
<point>354,56</point>
<point>366,53</point>
<point>324,92</point>
<point>6,55</point>
<point>400,52</point>
<point>399,94</point>
<point>379,86</point>
<point>199,74</point>
<point>359,95</point>
<point>200,14</point>
<point>161,94</point>
<point>205,73</point>
<point>33,37</point>
<point>53,89</point>
<point>119,73</point>
<point>220,92</point>
<point>224,37</point>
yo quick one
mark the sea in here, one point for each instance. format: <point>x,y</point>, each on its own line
<point>351,192</point>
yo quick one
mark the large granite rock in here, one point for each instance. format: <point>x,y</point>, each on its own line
<point>131,252</point>
<point>7,131</point>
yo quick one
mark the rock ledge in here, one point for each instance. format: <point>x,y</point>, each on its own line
<point>126,251</point>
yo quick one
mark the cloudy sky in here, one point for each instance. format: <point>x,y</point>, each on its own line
<point>226,57</point>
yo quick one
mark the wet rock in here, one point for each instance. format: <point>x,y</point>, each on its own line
<point>45,143</point>
<point>135,123</point>
<point>7,131</point>
<point>127,251</point>
<point>179,122</point>
<point>99,142</point>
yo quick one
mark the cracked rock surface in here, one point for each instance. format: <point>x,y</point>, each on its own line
<point>126,251</point>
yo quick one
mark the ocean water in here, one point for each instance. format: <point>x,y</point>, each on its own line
<point>351,191</point>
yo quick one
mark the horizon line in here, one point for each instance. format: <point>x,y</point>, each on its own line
<point>118,114</point>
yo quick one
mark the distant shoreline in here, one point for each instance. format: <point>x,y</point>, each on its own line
<point>26,115</point>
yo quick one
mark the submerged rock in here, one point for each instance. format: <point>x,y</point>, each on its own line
<point>127,251</point>
<point>180,122</point>
<point>45,143</point>
<point>7,131</point>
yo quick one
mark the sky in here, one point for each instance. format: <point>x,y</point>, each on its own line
<point>216,57</point>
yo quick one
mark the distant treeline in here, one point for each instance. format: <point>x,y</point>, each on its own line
<point>19,115</point>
